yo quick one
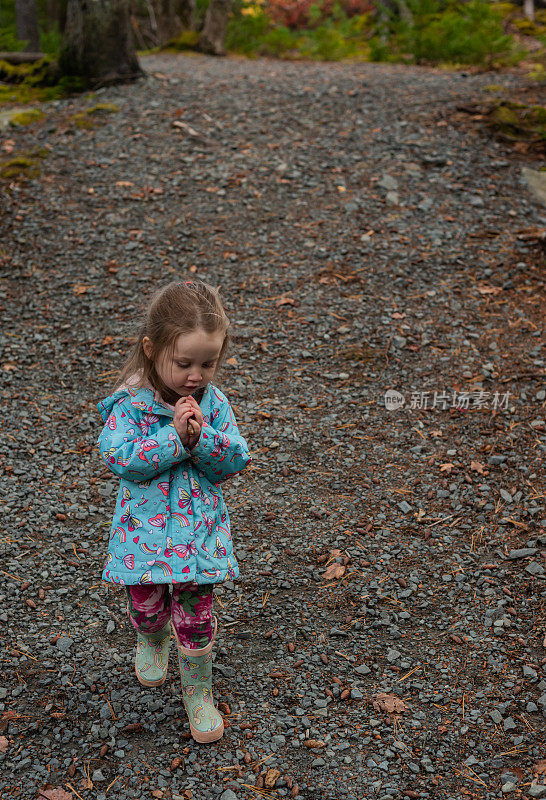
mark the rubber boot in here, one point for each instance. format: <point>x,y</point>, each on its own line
<point>206,723</point>
<point>152,656</point>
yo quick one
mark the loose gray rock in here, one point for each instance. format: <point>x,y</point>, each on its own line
<point>522,553</point>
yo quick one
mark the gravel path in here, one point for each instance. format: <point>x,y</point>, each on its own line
<point>385,637</point>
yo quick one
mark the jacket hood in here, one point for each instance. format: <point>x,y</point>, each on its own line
<point>138,396</point>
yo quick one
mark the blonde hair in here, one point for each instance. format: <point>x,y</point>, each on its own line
<point>179,308</point>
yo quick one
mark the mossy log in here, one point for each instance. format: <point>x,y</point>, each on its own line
<point>44,72</point>
<point>21,58</point>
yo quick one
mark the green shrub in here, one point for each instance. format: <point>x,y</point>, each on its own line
<point>246,34</point>
<point>457,32</point>
<point>253,33</point>
<point>9,41</point>
<point>50,40</point>
<point>326,43</point>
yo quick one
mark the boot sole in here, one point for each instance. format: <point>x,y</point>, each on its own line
<point>144,682</point>
<point>207,736</point>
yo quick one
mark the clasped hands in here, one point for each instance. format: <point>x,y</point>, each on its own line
<point>187,410</point>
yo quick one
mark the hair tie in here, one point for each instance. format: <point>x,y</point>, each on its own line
<point>188,282</point>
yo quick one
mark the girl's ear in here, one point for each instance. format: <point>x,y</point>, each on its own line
<point>147,347</point>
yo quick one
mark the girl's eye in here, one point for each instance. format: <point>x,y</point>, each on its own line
<point>185,366</point>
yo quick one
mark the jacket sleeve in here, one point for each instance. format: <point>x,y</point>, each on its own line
<point>129,454</point>
<point>221,451</point>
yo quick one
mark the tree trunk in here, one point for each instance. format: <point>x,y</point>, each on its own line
<point>52,13</point>
<point>529,9</point>
<point>214,29</point>
<point>26,16</point>
<point>98,42</point>
<point>168,22</point>
<point>185,11</point>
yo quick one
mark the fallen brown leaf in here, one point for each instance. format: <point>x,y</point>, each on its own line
<point>335,570</point>
<point>389,703</point>
<point>54,794</point>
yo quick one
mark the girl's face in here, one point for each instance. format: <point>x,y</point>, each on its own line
<point>192,362</point>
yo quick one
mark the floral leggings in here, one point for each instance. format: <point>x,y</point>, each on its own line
<point>151,606</point>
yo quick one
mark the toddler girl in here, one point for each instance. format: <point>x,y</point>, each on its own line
<point>171,437</point>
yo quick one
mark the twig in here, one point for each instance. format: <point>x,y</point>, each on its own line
<point>261,792</point>
<point>403,678</point>
<point>71,789</point>
<point>111,709</point>
<point>444,519</point>
<point>11,576</point>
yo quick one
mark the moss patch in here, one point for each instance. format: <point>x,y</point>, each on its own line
<point>528,28</point>
<point>102,108</point>
<point>31,83</point>
<point>27,117</point>
<point>21,94</point>
<point>86,119</point>
<point>23,166</point>
<point>188,40</point>
<point>538,74</point>
<point>39,73</point>
<point>34,83</point>
<point>518,121</point>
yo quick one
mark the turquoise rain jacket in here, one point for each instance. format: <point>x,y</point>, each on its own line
<point>170,523</point>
